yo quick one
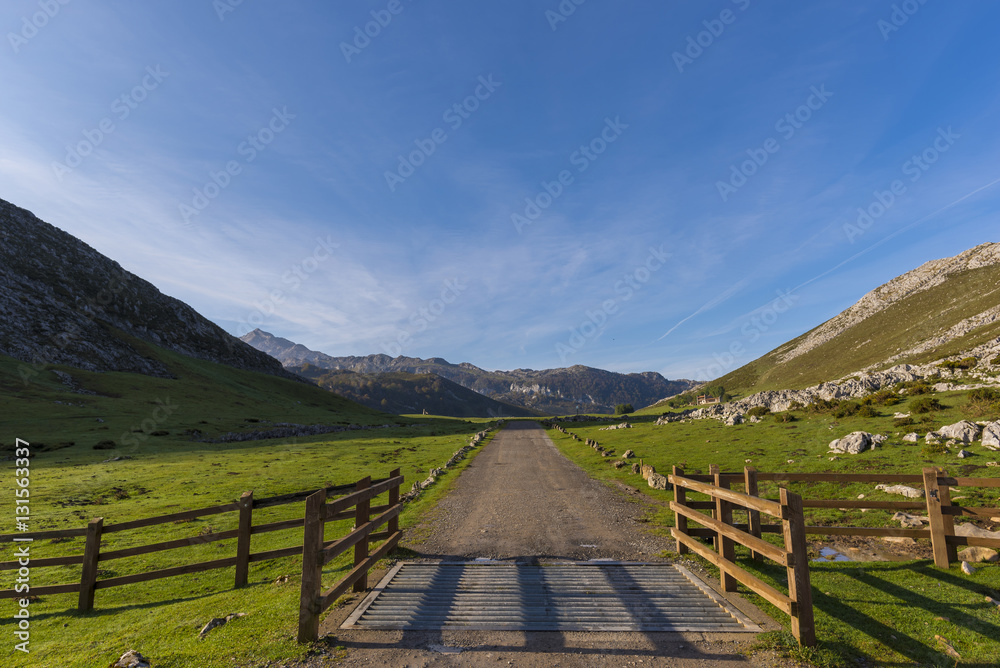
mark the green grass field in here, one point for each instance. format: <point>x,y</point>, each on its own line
<point>867,613</point>
<point>148,423</point>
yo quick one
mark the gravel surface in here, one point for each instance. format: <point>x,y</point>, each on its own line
<point>521,499</point>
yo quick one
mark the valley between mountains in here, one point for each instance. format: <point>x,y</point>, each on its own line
<point>134,405</point>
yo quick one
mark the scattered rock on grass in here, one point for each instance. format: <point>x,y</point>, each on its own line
<point>908,521</point>
<point>991,436</point>
<point>967,569</point>
<point>852,444</point>
<point>948,648</point>
<point>217,622</point>
<point>657,481</point>
<point>908,492</point>
<point>964,431</point>
<point>131,659</point>
<point>977,555</point>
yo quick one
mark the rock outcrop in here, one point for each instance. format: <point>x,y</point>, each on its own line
<point>852,444</point>
<point>963,432</point>
<point>62,302</point>
<point>991,436</point>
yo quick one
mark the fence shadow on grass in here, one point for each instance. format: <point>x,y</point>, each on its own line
<point>878,586</point>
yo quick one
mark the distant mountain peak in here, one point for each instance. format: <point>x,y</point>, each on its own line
<point>552,391</point>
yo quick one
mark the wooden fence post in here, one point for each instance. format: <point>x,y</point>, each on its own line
<point>726,546</point>
<point>799,589</point>
<point>753,516</point>
<point>243,540</point>
<point>361,518</point>
<point>681,522</point>
<point>713,470</point>
<point>938,497</point>
<point>394,500</point>
<point>312,568</point>
<point>91,555</point>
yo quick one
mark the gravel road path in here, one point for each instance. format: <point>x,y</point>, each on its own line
<point>521,499</point>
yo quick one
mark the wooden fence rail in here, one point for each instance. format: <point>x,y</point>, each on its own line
<point>797,604</point>
<point>719,527</point>
<point>316,554</point>
<point>93,555</point>
<point>937,504</point>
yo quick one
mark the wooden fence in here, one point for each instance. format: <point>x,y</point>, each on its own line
<point>93,556</point>
<point>798,602</point>
<point>316,554</point>
<point>719,527</point>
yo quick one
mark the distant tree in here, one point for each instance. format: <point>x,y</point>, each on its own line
<point>623,409</point>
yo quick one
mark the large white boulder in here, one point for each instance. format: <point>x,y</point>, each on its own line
<point>852,444</point>
<point>991,436</point>
<point>964,431</point>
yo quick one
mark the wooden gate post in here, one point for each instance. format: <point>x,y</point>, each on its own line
<point>393,500</point>
<point>681,522</point>
<point>361,518</point>
<point>243,540</point>
<point>753,516</point>
<point>799,589</point>
<point>938,497</point>
<point>725,545</point>
<point>312,568</point>
<point>91,555</point>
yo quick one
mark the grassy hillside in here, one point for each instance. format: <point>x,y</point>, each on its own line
<point>885,334</point>
<point>148,423</point>
<point>408,393</point>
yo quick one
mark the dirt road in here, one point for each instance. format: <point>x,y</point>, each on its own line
<point>521,499</point>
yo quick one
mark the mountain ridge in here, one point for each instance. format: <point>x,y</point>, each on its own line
<point>944,308</point>
<point>550,391</point>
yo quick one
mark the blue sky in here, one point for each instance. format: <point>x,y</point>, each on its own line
<point>636,186</point>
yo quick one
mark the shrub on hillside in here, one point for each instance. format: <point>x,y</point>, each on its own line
<point>624,409</point>
<point>925,405</point>
<point>903,422</point>
<point>822,405</point>
<point>784,417</point>
<point>932,449</point>
<point>914,387</point>
<point>884,397</point>
<point>758,411</point>
<point>868,411</point>
<point>964,363</point>
<point>795,405</point>
<point>995,361</point>
<point>983,401</point>
<point>984,395</point>
<point>846,409</point>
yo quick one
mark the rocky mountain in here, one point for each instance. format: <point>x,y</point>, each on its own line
<point>409,393</point>
<point>551,391</point>
<point>62,302</point>
<point>944,309</point>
